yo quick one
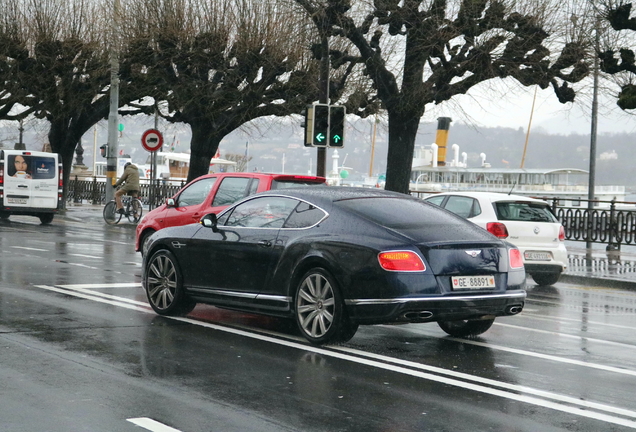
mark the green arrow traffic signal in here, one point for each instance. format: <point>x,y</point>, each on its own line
<point>320,137</point>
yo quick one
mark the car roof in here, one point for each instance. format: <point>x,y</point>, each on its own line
<point>279,177</point>
<point>335,193</point>
<point>492,196</point>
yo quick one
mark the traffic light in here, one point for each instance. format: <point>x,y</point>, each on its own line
<point>104,150</point>
<point>320,136</point>
<point>336,125</point>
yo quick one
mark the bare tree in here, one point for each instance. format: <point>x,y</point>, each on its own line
<point>620,60</point>
<point>219,64</point>
<point>59,67</point>
<point>444,48</point>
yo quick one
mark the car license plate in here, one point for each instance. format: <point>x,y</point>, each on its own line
<point>537,256</point>
<point>17,200</point>
<point>473,282</point>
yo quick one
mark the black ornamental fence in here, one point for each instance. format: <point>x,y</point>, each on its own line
<point>93,191</point>
<point>608,222</point>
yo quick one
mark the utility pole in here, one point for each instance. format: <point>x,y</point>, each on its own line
<point>321,163</point>
<point>592,175</point>
<point>111,155</point>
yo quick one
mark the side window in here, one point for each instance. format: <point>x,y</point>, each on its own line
<point>253,186</point>
<point>231,190</point>
<point>461,206</point>
<point>304,215</point>
<point>266,212</point>
<point>196,193</point>
<point>437,200</point>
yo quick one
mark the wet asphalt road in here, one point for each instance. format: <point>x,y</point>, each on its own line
<point>81,350</point>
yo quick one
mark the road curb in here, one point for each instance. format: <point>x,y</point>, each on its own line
<point>598,281</point>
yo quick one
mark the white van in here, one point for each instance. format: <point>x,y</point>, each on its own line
<point>30,184</point>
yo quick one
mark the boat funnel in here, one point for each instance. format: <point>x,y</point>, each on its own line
<point>443,125</point>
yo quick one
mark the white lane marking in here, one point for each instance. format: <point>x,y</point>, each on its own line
<point>582,411</point>
<point>95,286</point>
<point>86,256</point>
<point>152,425</point>
<point>560,319</point>
<point>545,356</point>
<point>569,336</point>
<point>494,383</point>
<point>29,248</point>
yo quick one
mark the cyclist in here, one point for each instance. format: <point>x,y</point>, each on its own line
<point>130,178</point>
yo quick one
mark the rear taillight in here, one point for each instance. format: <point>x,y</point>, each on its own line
<point>401,261</point>
<point>514,255</point>
<point>497,229</point>
<point>561,233</point>
<point>60,183</point>
<point>1,173</point>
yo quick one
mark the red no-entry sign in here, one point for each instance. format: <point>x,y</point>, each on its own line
<point>152,140</point>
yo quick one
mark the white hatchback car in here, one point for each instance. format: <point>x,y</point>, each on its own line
<point>527,223</point>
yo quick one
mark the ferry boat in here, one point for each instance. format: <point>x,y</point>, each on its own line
<point>567,184</point>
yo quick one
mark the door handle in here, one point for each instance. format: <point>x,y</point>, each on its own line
<point>265,243</point>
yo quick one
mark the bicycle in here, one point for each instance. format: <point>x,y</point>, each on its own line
<point>132,210</point>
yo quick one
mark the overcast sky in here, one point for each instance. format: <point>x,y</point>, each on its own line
<point>511,107</point>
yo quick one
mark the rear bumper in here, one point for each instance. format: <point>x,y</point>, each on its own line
<point>26,211</point>
<point>440,308</point>
<point>554,268</point>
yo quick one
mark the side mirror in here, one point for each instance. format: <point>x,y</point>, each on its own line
<point>209,221</point>
<point>169,202</point>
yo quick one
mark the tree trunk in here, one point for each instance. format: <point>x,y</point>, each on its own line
<point>63,141</point>
<point>203,147</point>
<point>402,131</point>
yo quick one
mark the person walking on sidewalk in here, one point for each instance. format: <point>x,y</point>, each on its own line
<point>130,179</point>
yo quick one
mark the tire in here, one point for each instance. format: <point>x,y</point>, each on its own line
<point>144,240</point>
<point>46,218</point>
<point>164,285</point>
<point>110,213</point>
<point>135,211</point>
<point>319,310</point>
<point>463,328</point>
<point>545,279</point>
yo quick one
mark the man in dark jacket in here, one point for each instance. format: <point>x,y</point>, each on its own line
<point>130,178</point>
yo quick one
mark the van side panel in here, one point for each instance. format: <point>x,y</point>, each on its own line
<point>30,182</point>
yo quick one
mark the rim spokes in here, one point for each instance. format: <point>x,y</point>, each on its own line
<point>315,305</point>
<point>162,282</point>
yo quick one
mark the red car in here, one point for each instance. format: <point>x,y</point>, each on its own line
<point>210,194</point>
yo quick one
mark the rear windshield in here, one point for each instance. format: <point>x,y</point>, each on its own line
<point>288,184</point>
<point>524,211</point>
<point>399,213</point>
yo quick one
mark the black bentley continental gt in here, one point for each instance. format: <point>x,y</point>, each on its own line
<point>334,258</point>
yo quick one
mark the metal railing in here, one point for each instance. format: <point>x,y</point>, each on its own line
<point>94,191</point>
<point>609,222</point>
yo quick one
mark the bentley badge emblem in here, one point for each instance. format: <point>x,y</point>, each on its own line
<point>473,253</point>
<point>536,230</point>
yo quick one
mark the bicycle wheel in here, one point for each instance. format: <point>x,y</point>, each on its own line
<point>135,209</point>
<point>110,213</point>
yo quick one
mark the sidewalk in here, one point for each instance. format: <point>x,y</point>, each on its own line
<point>611,270</point>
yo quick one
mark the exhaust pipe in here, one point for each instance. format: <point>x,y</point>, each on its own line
<point>417,315</point>
<point>514,310</point>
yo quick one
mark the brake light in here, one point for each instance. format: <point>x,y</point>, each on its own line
<point>26,153</point>
<point>497,229</point>
<point>60,183</point>
<point>401,261</point>
<point>514,256</point>
<point>561,233</point>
